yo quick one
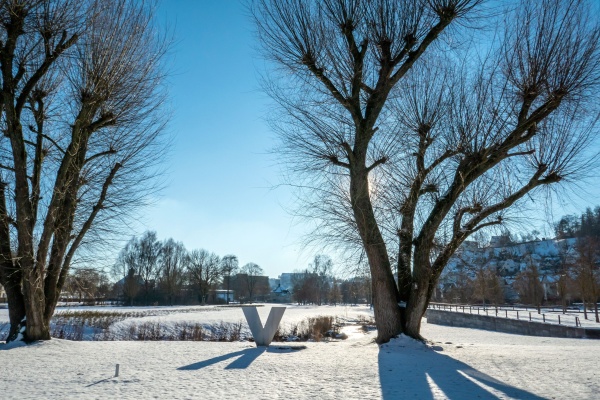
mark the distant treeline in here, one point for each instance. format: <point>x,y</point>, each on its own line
<point>149,271</point>
<point>585,225</point>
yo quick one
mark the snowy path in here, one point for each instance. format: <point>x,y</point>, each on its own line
<point>462,364</point>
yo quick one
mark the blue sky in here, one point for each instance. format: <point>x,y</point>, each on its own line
<point>219,193</point>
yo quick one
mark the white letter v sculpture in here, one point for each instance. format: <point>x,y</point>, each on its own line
<point>263,335</point>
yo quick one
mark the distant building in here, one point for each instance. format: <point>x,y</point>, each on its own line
<point>219,296</point>
<point>469,245</point>
<point>286,280</point>
<point>507,259</point>
<point>281,295</point>
<point>2,294</point>
<point>248,288</point>
<point>499,241</point>
<point>274,283</point>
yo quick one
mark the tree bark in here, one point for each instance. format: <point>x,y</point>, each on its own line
<point>404,260</point>
<point>10,275</point>
<point>11,280</point>
<point>37,327</point>
<point>385,291</point>
<point>419,293</point>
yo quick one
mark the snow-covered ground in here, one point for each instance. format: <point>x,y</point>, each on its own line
<point>214,315</point>
<point>459,364</point>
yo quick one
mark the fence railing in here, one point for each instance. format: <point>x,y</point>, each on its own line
<point>515,312</point>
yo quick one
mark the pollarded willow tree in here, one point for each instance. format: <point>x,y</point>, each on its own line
<point>409,129</point>
<point>82,118</point>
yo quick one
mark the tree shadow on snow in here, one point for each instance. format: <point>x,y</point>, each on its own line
<point>408,369</point>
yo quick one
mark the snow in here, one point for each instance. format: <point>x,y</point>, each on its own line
<point>459,363</point>
<point>513,257</point>
<point>214,315</point>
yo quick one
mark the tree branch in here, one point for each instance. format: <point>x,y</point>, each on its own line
<point>6,167</point>
<point>433,33</point>
<point>447,154</point>
<point>105,119</point>
<point>510,200</point>
<point>309,61</point>
<point>349,152</point>
<point>358,61</point>
<point>62,45</point>
<point>382,160</point>
<point>102,153</point>
<point>367,88</point>
<point>54,143</point>
<point>430,188</point>
<point>87,225</point>
<point>460,214</point>
<point>334,160</point>
<point>520,153</point>
<point>486,224</point>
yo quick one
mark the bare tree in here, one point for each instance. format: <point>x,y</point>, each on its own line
<point>173,262</point>
<point>147,252</point>
<point>529,287</point>
<point>141,254</point>
<point>335,293</point>
<point>461,288</point>
<point>86,283</point>
<point>205,272</point>
<point>131,286</point>
<point>304,287</point>
<point>125,271</point>
<point>587,272</point>
<point>81,110</point>
<point>229,266</point>
<point>322,269</point>
<point>411,142</point>
<point>253,272</point>
<point>487,286</point>
<point>564,280</point>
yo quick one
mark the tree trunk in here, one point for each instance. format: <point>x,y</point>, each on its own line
<point>16,303</point>
<point>415,309</point>
<point>404,261</point>
<point>385,292</point>
<point>10,274</point>
<point>37,326</point>
<point>385,303</point>
<point>419,295</point>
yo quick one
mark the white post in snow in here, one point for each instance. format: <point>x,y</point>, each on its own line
<point>263,335</point>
